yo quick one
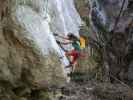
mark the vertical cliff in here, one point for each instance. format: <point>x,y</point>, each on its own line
<point>30,58</point>
<point>110,20</point>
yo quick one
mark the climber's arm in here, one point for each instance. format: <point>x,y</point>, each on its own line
<point>66,43</point>
<point>55,34</point>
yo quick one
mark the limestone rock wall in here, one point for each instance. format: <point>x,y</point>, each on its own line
<point>23,66</point>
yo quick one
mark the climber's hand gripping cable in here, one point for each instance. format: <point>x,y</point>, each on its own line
<point>57,35</point>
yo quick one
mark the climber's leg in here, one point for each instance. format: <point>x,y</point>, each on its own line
<point>70,59</point>
<point>74,54</point>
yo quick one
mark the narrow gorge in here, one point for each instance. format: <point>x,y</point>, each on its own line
<point>33,63</point>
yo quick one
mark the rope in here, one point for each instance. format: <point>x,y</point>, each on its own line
<point>118,18</point>
<point>46,9</point>
<point>62,55</point>
<point>122,83</point>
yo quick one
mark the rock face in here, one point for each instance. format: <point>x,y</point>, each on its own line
<point>108,11</point>
<point>29,54</point>
<point>112,28</point>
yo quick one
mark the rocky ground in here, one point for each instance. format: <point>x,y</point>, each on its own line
<point>92,90</point>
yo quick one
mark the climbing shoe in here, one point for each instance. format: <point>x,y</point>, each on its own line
<point>69,74</point>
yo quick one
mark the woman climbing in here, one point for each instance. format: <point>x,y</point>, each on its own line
<point>75,52</point>
<point>72,39</point>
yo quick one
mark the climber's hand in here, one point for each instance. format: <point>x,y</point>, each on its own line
<point>58,42</point>
<point>55,34</point>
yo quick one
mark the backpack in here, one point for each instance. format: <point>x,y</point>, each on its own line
<point>82,42</point>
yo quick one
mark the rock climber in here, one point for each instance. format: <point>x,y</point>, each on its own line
<point>75,52</point>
